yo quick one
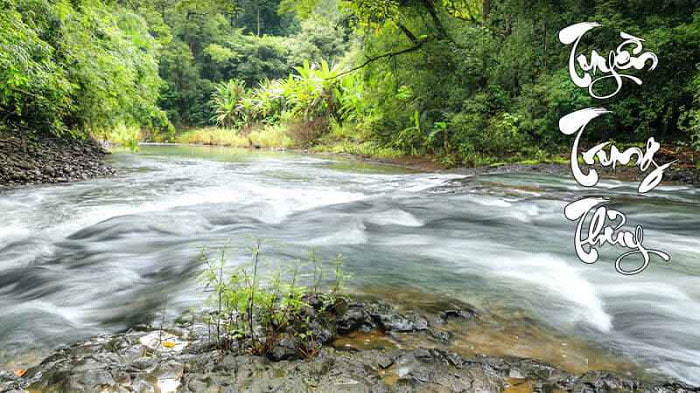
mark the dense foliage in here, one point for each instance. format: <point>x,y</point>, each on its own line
<point>76,66</point>
<point>207,42</point>
<point>468,81</point>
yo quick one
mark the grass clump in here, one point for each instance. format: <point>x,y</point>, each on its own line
<point>283,314</point>
<point>267,137</point>
<point>122,135</point>
<point>271,136</point>
<point>368,149</point>
<point>213,136</point>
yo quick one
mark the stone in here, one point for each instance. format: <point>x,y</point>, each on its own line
<point>395,322</point>
<point>457,314</point>
<point>109,364</point>
<point>284,350</point>
<point>49,160</point>
<point>354,319</point>
<point>384,361</point>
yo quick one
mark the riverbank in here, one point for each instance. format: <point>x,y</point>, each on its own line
<point>684,172</point>
<point>686,169</point>
<point>36,160</point>
<point>51,160</point>
<point>374,348</point>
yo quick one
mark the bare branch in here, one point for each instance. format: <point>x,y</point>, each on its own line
<point>412,37</point>
<point>383,56</point>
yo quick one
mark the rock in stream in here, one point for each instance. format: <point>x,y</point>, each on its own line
<point>181,358</point>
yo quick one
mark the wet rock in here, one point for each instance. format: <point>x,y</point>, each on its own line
<point>123,363</point>
<point>394,322</point>
<point>143,365</point>
<point>286,349</point>
<point>441,335</point>
<point>45,159</point>
<point>464,315</point>
<point>355,318</point>
<point>384,361</point>
<point>604,382</point>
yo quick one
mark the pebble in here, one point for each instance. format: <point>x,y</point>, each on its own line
<point>49,160</point>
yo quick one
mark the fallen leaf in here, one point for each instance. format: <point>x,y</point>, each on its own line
<point>20,372</point>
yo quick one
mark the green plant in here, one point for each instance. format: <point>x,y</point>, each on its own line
<point>340,277</point>
<point>76,67</point>
<point>440,131</point>
<point>231,106</point>
<point>122,135</point>
<point>411,139</point>
<point>254,311</point>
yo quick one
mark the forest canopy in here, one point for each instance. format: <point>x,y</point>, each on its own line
<point>464,80</point>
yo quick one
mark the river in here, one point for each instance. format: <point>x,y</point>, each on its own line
<point>86,258</point>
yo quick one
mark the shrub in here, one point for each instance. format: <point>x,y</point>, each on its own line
<point>254,311</point>
<point>305,133</point>
<point>122,135</point>
<point>230,105</point>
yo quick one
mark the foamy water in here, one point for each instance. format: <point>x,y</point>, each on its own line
<point>80,259</point>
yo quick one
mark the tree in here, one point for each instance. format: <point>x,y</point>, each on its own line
<point>76,68</point>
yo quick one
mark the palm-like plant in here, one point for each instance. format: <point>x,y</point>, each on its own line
<point>229,105</point>
<point>315,92</point>
<point>268,101</point>
<point>312,93</point>
<point>351,98</point>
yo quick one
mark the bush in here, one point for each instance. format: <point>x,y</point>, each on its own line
<point>230,106</point>
<point>271,136</point>
<point>306,133</point>
<point>75,67</point>
<point>255,311</point>
<point>690,120</point>
<point>214,136</point>
<point>122,135</point>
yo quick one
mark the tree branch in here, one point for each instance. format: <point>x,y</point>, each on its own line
<point>389,55</point>
<point>412,37</point>
<point>436,19</point>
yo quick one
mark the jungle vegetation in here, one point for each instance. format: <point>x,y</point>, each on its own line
<point>465,81</point>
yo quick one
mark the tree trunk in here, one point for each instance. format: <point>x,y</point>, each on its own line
<point>486,9</point>
<point>258,21</point>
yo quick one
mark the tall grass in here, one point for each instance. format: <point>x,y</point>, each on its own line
<point>363,149</point>
<point>256,311</point>
<point>213,136</point>
<point>121,136</point>
<point>351,139</point>
<point>266,137</point>
<point>272,137</point>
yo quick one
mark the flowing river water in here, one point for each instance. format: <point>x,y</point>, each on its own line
<point>103,255</point>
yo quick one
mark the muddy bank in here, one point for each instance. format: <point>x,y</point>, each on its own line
<point>36,160</point>
<point>364,354</point>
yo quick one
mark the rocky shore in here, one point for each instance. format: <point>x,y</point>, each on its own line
<point>360,355</point>
<point>35,160</point>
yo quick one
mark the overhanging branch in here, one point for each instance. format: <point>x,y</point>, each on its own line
<point>389,55</point>
<point>412,37</point>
